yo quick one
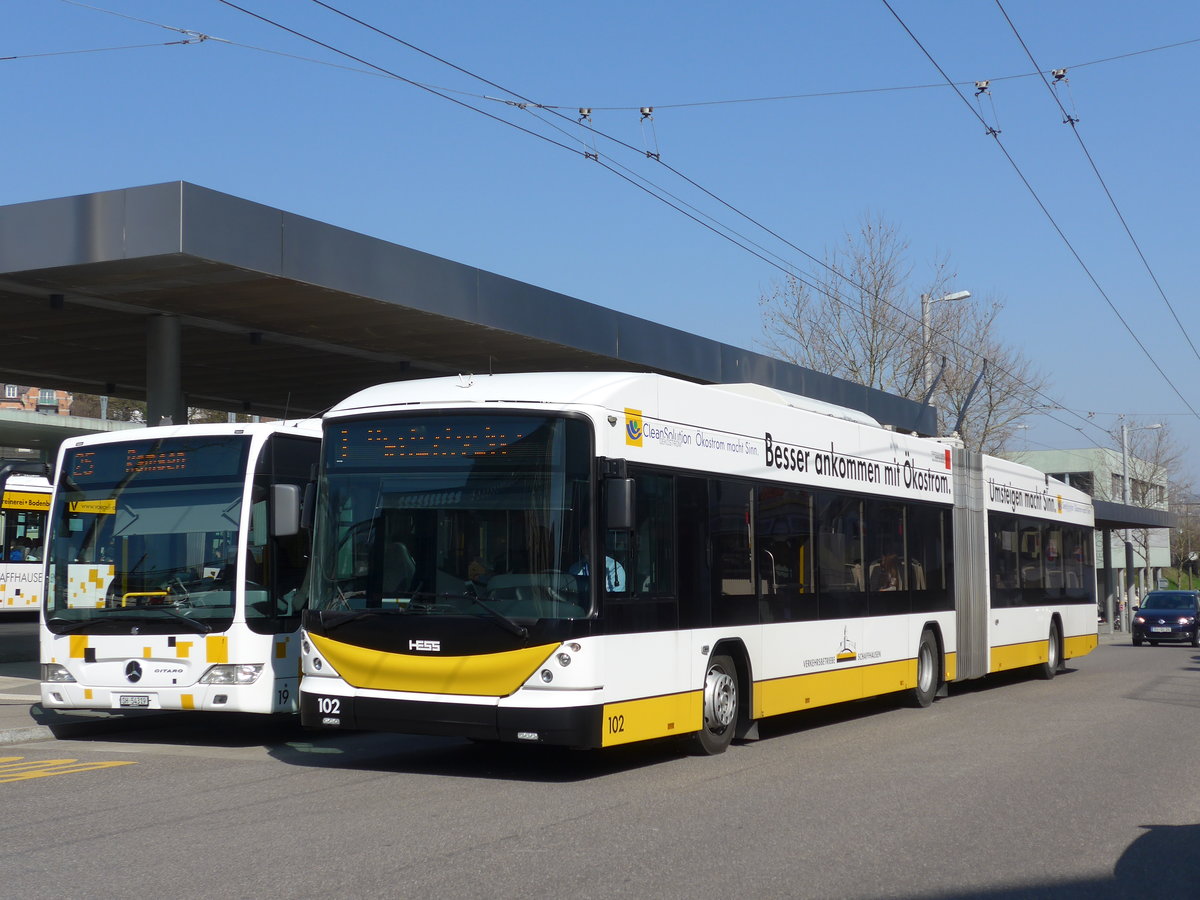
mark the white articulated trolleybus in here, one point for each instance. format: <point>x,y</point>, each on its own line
<point>23,508</point>
<point>173,566</point>
<point>591,559</point>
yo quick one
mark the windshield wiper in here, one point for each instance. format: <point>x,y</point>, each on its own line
<point>519,630</point>
<point>199,627</point>
<point>503,620</point>
<point>64,626</point>
<point>343,617</point>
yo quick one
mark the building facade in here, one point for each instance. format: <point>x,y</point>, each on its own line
<point>34,399</point>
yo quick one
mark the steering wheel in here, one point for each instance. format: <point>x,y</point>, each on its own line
<point>184,597</point>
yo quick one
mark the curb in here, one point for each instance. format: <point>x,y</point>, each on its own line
<point>26,735</point>
<point>82,728</point>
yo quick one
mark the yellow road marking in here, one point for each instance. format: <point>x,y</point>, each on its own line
<point>17,768</point>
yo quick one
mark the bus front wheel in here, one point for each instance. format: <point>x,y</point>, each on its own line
<point>720,707</point>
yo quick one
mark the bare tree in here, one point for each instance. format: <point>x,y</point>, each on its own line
<point>1008,390</point>
<point>122,410</point>
<point>1185,537</point>
<point>117,409</point>
<point>1152,457</point>
<point>860,319</point>
<point>849,324</point>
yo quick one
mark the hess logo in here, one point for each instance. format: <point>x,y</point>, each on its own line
<point>434,646</point>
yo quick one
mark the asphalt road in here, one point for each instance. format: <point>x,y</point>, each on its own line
<point>1079,787</point>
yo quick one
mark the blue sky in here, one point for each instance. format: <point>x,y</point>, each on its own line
<point>382,157</point>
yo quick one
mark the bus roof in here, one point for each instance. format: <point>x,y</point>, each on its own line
<point>567,387</point>
<point>309,427</point>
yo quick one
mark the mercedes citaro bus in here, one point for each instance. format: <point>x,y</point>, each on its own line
<point>173,567</point>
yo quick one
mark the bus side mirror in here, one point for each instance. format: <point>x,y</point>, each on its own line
<point>285,510</point>
<point>619,503</point>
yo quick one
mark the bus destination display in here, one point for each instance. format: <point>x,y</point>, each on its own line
<point>141,460</point>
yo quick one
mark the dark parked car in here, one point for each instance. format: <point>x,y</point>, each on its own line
<point>1168,616</point>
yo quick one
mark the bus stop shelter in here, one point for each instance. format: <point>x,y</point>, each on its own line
<point>181,296</point>
<point>1119,517</point>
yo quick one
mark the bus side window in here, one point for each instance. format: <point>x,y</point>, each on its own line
<point>783,543</point>
<point>735,600</point>
<point>840,576</point>
<point>654,569</point>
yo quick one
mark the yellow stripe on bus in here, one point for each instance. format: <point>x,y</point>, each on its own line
<point>785,695</point>
<point>1080,645</point>
<point>654,717</point>
<point>485,675</point>
<point>1018,656</point>
<point>1032,653</point>
<point>651,717</point>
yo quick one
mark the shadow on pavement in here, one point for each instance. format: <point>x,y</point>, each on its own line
<point>1161,863</point>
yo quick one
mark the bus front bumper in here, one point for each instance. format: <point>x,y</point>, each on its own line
<point>575,726</point>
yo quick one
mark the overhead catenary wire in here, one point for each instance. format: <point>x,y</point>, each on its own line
<point>121,15</point>
<point>593,108</point>
<point>392,74</point>
<point>1073,121</point>
<point>195,40</point>
<point>782,265</point>
<point>1025,181</point>
<point>525,103</point>
<point>938,85</point>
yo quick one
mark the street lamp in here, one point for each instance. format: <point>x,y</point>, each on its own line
<point>926,303</point>
<point>1129,592</point>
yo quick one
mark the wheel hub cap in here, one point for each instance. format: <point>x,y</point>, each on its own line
<point>720,700</point>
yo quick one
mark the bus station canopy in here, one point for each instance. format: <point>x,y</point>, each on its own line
<point>1111,515</point>
<point>181,295</point>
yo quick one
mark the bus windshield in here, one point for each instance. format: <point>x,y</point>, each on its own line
<point>144,535</point>
<point>468,514</point>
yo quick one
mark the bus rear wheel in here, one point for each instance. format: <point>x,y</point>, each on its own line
<point>928,672</point>
<point>1049,668</point>
<point>720,707</point>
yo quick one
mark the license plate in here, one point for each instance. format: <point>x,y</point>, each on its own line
<point>1164,628</point>
<point>138,701</point>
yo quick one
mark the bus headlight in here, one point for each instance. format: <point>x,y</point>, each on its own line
<point>53,672</point>
<point>239,674</point>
